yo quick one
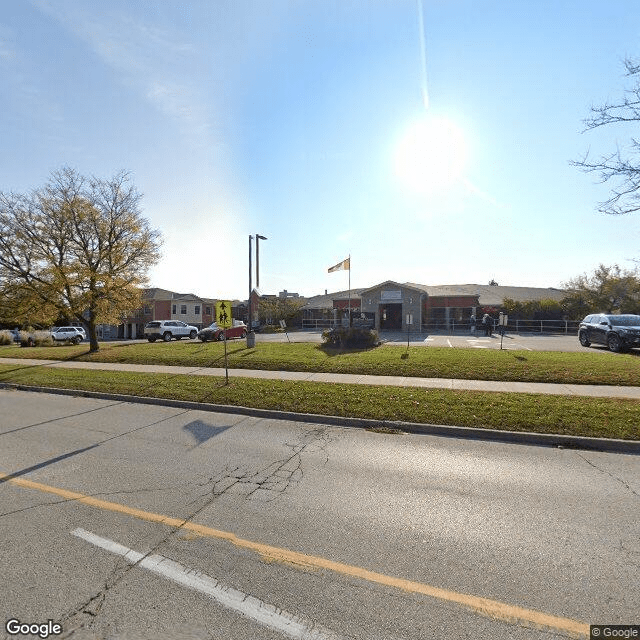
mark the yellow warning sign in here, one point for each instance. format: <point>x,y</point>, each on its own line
<point>223,314</point>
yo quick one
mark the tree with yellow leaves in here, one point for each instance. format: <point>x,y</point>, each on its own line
<point>77,248</point>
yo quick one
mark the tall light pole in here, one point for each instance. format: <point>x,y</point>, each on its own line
<point>258,238</point>
<point>251,337</point>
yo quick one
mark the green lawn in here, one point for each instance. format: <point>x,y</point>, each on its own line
<point>429,362</point>
<point>596,417</point>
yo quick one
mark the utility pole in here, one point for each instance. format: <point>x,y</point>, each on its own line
<point>251,336</point>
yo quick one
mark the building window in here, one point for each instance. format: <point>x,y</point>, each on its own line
<point>197,310</point>
<point>173,309</point>
<point>147,310</point>
<point>183,309</point>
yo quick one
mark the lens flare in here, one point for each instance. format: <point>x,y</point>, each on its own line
<point>431,155</point>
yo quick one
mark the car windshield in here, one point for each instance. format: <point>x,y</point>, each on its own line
<point>625,321</point>
<point>153,324</point>
<point>213,325</point>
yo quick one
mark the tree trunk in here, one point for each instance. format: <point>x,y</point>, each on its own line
<point>93,336</point>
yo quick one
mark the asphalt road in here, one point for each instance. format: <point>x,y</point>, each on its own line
<point>330,532</point>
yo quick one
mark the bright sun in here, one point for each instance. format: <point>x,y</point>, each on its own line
<point>430,155</point>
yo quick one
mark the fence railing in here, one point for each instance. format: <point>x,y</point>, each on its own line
<point>310,323</point>
<point>515,326</point>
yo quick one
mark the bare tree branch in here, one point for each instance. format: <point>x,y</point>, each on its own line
<point>622,168</point>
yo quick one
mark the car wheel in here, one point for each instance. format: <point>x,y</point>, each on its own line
<point>204,338</point>
<point>192,335</point>
<point>614,343</point>
<point>221,336</point>
<point>583,339</point>
<point>244,334</point>
<point>77,340</point>
<point>166,336</point>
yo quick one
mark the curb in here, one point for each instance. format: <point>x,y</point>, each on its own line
<point>609,445</point>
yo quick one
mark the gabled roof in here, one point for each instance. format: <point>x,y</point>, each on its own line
<point>493,294</point>
<point>326,301</point>
<point>155,293</point>
<point>392,283</point>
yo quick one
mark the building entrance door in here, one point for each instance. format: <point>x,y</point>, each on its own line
<point>391,317</point>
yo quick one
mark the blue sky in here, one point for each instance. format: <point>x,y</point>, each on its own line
<point>296,120</point>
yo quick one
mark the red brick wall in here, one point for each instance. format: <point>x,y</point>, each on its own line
<point>162,310</point>
<point>344,304</point>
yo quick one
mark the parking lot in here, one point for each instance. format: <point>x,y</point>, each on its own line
<point>511,341</point>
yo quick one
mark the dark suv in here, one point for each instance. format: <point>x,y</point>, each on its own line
<point>619,333</point>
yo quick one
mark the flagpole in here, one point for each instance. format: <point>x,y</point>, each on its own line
<point>349,290</point>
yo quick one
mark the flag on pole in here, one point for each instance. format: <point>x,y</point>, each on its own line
<point>344,265</point>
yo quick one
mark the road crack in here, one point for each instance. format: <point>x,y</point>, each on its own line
<point>275,478</point>
<point>625,484</point>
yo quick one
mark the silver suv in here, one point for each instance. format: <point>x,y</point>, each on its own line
<point>70,334</point>
<point>167,329</point>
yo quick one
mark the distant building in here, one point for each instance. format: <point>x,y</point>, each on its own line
<point>388,305</point>
<point>162,304</point>
<point>385,306</point>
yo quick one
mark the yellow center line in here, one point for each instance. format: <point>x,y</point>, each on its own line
<point>490,608</point>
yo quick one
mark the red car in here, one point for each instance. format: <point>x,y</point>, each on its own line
<point>214,332</point>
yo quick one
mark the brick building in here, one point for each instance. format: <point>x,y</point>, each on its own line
<point>388,305</point>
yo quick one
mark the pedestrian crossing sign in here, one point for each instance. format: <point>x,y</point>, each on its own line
<point>223,314</point>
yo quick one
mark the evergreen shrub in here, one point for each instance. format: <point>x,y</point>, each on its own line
<point>350,337</point>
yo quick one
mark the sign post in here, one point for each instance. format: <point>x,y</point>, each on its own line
<point>224,320</point>
<point>283,325</point>
<point>503,319</point>
<point>409,323</point>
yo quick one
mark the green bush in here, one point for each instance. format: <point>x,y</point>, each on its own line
<point>350,337</point>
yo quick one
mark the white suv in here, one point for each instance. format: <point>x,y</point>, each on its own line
<point>167,329</point>
<point>71,334</point>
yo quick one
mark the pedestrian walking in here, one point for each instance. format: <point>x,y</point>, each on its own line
<point>487,323</point>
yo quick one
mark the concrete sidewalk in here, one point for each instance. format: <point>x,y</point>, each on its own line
<point>596,391</point>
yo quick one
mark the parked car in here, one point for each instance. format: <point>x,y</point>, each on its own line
<point>167,329</point>
<point>214,332</point>
<point>68,334</point>
<point>617,332</point>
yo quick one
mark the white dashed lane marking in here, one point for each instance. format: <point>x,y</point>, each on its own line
<point>259,611</point>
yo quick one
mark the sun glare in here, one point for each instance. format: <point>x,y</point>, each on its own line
<point>431,155</point>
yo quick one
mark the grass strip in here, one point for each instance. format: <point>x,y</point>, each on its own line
<point>595,367</point>
<point>526,366</point>
<point>594,417</point>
